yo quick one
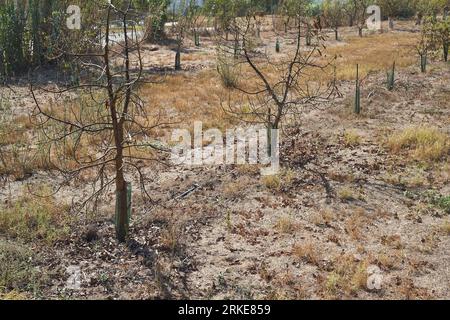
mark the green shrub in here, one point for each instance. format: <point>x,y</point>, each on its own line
<point>11,40</point>
<point>443,203</point>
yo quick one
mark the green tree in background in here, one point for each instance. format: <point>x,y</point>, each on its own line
<point>333,11</point>
<point>156,19</point>
<point>12,57</point>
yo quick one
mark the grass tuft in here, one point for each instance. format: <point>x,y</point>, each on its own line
<point>18,275</point>
<point>423,143</point>
<point>306,252</point>
<point>31,218</point>
<point>352,139</point>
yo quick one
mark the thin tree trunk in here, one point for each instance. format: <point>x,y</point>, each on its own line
<point>286,24</point>
<point>121,192</point>
<point>178,54</point>
<point>445,48</point>
<point>178,58</point>
<point>391,23</point>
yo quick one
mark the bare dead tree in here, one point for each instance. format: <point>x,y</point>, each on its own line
<point>281,85</point>
<point>105,131</point>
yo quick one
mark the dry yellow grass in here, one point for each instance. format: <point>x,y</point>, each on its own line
<point>348,276</point>
<point>423,143</point>
<point>272,182</point>
<point>14,295</point>
<point>286,224</point>
<point>323,217</point>
<point>351,138</point>
<point>248,169</point>
<point>189,97</point>
<point>284,180</point>
<point>373,53</point>
<point>20,160</point>
<point>31,218</point>
<point>356,223</point>
<point>13,130</point>
<point>199,95</point>
<point>446,228</point>
<point>347,194</point>
<point>307,252</point>
<point>389,260</point>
